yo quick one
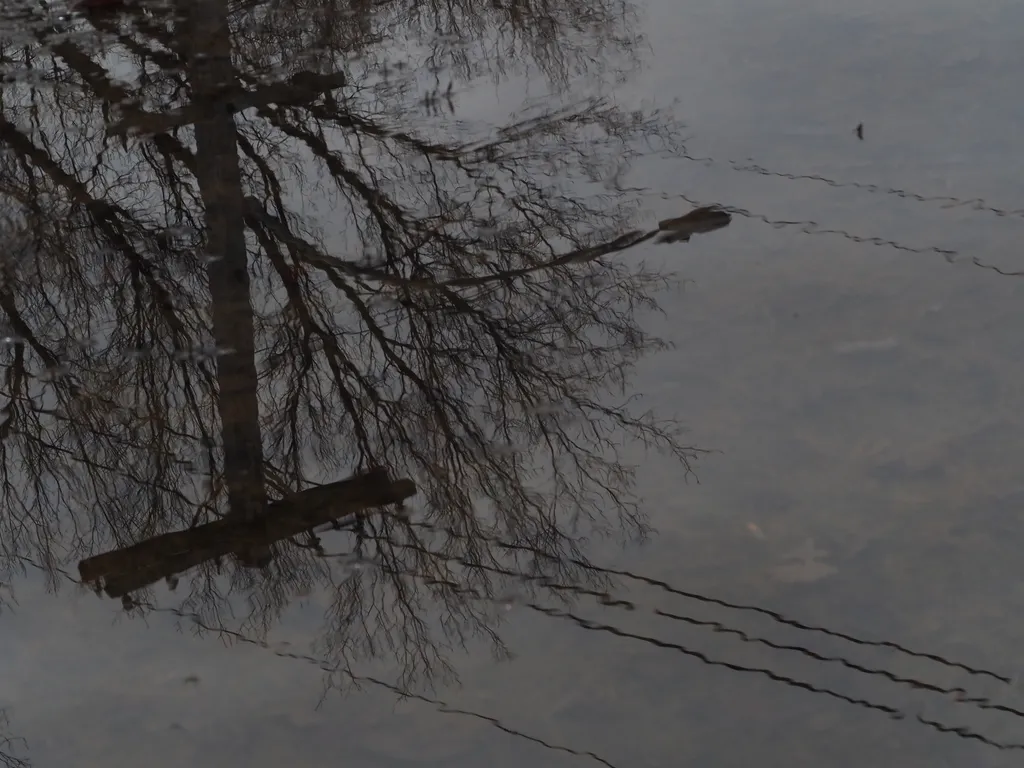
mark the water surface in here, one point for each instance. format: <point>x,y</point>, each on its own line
<point>256,248</point>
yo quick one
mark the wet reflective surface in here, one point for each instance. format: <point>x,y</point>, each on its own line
<point>503,383</point>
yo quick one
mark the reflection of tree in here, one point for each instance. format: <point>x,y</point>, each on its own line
<point>192,342</point>
<point>10,746</point>
<point>190,337</point>
<point>494,38</point>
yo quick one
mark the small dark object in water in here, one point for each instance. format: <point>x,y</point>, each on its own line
<point>859,130</point>
<point>705,219</point>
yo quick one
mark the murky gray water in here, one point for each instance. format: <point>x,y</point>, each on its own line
<point>450,283</point>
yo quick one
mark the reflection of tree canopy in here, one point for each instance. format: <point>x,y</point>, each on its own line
<point>187,334</point>
<point>492,38</point>
<point>184,335</point>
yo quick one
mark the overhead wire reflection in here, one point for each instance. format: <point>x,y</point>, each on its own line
<point>811,227</point>
<point>951,201</point>
<point>958,694</point>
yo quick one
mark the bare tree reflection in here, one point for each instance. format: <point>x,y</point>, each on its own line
<point>258,266</point>
<point>10,746</point>
<point>249,272</point>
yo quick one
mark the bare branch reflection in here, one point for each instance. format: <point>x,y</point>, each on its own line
<point>10,746</point>
<point>282,325</point>
<point>253,270</point>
